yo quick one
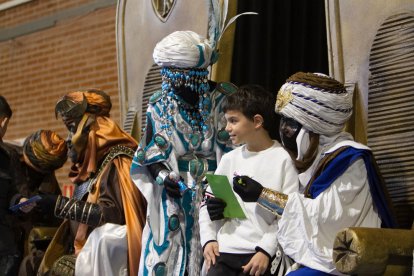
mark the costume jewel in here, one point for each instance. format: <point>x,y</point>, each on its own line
<point>197,116</point>
<point>285,97</point>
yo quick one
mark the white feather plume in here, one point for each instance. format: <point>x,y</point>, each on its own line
<point>217,20</point>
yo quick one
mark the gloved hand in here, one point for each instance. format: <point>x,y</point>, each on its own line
<point>171,187</point>
<point>247,188</point>
<point>215,208</point>
<point>47,203</point>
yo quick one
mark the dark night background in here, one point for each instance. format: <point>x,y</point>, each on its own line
<point>286,37</point>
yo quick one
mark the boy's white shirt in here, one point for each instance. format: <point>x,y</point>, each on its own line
<point>274,169</point>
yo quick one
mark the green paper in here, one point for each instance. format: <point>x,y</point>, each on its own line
<point>222,189</point>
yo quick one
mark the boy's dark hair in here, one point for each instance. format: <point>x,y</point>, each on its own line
<point>253,99</point>
<point>5,110</point>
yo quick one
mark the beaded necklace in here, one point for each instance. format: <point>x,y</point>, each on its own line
<point>174,79</point>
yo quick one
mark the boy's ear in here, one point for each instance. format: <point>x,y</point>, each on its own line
<point>3,126</point>
<point>258,121</point>
<point>3,121</point>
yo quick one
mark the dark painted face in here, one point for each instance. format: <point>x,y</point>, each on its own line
<point>187,94</point>
<point>75,148</point>
<point>72,154</point>
<point>289,130</point>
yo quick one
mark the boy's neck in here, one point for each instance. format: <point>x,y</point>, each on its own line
<point>260,143</point>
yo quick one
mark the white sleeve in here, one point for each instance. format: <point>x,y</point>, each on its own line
<point>290,184</point>
<point>269,240</point>
<point>308,227</point>
<point>207,227</point>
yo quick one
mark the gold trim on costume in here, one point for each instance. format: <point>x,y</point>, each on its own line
<point>273,201</point>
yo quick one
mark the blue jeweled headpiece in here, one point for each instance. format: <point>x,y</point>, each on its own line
<point>195,79</point>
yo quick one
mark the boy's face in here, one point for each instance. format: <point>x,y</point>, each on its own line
<point>241,129</point>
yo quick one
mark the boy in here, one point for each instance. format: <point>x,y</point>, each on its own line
<point>246,245</point>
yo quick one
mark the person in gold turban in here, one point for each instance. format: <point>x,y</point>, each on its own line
<point>43,152</point>
<point>104,199</point>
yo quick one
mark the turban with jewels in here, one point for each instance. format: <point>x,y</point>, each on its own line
<point>183,49</point>
<point>320,103</point>
<point>45,151</point>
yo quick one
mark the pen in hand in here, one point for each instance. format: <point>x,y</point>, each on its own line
<point>239,180</point>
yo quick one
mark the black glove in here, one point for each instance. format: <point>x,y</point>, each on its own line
<point>215,208</point>
<point>248,189</point>
<point>47,203</point>
<point>171,187</point>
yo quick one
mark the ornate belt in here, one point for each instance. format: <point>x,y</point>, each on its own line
<point>197,167</point>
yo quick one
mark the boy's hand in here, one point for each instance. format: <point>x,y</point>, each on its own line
<point>248,189</point>
<point>257,264</point>
<point>211,250</point>
<point>215,208</point>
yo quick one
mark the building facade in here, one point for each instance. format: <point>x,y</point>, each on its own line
<point>51,47</point>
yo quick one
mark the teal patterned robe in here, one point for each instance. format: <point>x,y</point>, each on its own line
<point>171,235</point>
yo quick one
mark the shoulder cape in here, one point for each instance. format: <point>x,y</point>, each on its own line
<point>336,163</point>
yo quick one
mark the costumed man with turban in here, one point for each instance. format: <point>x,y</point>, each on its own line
<point>184,138</point>
<point>340,183</point>
<point>104,195</point>
<point>43,152</point>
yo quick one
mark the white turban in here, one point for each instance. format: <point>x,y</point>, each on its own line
<point>183,49</point>
<point>320,103</point>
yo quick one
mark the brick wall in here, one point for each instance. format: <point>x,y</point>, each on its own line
<point>38,68</point>
<point>35,9</point>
